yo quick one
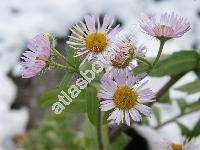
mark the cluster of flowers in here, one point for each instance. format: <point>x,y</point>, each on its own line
<point>117,49</point>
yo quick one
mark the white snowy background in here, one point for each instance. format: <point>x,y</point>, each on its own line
<point>21,20</point>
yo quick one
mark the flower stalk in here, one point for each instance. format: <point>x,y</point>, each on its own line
<point>62,58</point>
<point>162,43</point>
<point>99,131</point>
<point>145,61</point>
<point>60,66</point>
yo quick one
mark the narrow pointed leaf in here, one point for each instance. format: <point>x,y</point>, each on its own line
<point>190,88</point>
<point>177,63</point>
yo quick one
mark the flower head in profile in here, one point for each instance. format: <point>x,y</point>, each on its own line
<point>91,39</point>
<point>169,26</point>
<point>38,55</point>
<point>124,51</point>
<point>122,93</point>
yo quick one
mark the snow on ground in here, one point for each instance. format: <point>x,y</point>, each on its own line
<point>20,20</point>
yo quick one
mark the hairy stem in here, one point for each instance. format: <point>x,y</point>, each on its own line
<point>60,66</point>
<point>145,61</point>
<point>62,58</point>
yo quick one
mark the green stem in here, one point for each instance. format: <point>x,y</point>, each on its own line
<point>162,43</point>
<point>74,70</point>
<point>99,131</point>
<point>145,61</point>
<point>60,66</point>
<point>177,117</point>
<point>62,58</point>
<point>168,85</point>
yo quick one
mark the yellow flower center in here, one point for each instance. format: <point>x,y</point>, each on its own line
<point>162,27</point>
<point>96,42</point>
<point>127,57</point>
<point>125,98</point>
<point>118,64</point>
<point>177,147</point>
<point>131,49</point>
<point>38,58</point>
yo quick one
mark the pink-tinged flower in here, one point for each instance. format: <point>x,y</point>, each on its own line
<point>123,53</point>
<point>37,57</point>
<point>169,26</point>
<point>122,93</point>
<point>91,39</point>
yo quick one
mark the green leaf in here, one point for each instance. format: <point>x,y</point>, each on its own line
<point>120,142</point>
<point>141,69</point>
<point>145,121</point>
<point>105,138</point>
<point>76,107</point>
<point>177,63</point>
<point>196,129</point>
<point>78,104</point>
<point>65,81</point>
<point>190,133</point>
<point>105,116</point>
<point>184,130</point>
<point>92,104</point>
<point>194,105</point>
<point>70,57</point>
<point>197,70</point>
<point>90,135</point>
<point>49,97</point>
<point>182,105</point>
<point>56,132</point>
<point>191,87</point>
<point>165,98</point>
<point>156,113</point>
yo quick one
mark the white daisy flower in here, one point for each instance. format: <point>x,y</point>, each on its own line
<point>124,51</point>
<point>158,142</point>
<point>193,144</point>
<point>92,39</point>
<point>122,93</point>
